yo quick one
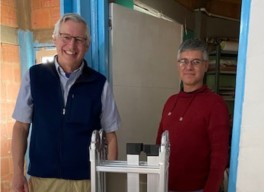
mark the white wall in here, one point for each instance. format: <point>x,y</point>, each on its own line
<point>144,74</point>
<point>250,175</point>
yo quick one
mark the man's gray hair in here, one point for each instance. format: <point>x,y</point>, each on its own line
<point>73,17</point>
<point>194,44</point>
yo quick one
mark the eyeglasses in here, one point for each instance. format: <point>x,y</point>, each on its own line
<point>66,38</point>
<point>194,62</point>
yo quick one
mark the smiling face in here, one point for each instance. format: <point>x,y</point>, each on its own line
<point>192,67</point>
<point>71,45</point>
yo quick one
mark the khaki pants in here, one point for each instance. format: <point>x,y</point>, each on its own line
<point>37,184</point>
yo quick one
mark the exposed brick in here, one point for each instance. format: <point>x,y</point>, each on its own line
<point>56,3</point>
<point>12,3</point>
<point>46,3</point>
<point>6,129</point>
<point>5,146</point>
<point>14,49</point>
<point>8,14</point>
<point>54,15</point>
<point>4,167</point>
<point>40,19</point>
<point>3,91</point>
<point>5,72</point>
<point>12,91</point>
<point>17,74</point>
<point>36,4</point>
<point>9,128</point>
<point>5,186</point>
<point>4,2</point>
<point>10,53</point>
<point>3,112</point>
<point>45,14</point>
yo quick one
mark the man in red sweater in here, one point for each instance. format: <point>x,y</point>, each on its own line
<point>198,124</point>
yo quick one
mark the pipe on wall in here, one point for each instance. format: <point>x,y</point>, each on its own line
<point>215,15</point>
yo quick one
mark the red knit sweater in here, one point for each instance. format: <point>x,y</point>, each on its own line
<point>198,128</point>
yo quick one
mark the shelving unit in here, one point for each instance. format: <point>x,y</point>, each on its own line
<point>221,78</point>
<point>221,75</point>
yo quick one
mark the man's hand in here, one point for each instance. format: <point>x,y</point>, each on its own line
<point>20,184</point>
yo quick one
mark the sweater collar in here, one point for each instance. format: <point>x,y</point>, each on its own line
<point>202,89</point>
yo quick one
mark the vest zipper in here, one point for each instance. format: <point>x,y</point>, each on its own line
<point>60,171</point>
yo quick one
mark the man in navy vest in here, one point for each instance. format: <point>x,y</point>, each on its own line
<point>64,102</point>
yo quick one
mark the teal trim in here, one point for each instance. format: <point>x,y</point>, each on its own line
<point>27,59</point>
<point>43,45</point>
<point>26,50</point>
<point>85,12</point>
<point>66,6</point>
<point>94,34</point>
<point>103,38</point>
<point>77,6</point>
<point>240,84</point>
<point>126,3</point>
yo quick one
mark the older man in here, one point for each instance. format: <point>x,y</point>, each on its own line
<point>64,101</point>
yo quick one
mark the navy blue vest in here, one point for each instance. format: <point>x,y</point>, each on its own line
<point>60,137</point>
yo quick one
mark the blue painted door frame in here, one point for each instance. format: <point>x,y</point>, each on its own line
<point>26,50</point>
<point>240,85</point>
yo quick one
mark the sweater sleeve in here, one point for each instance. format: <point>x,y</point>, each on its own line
<point>219,132</point>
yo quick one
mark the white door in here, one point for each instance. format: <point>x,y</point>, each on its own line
<point>143,53</point>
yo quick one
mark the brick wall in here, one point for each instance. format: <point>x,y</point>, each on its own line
<point>10,81</point>
<point>44,13</point>
<point>8,13</point>
<point>43,16</point>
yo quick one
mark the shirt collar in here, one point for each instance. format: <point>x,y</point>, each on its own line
<point>60,71</point>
